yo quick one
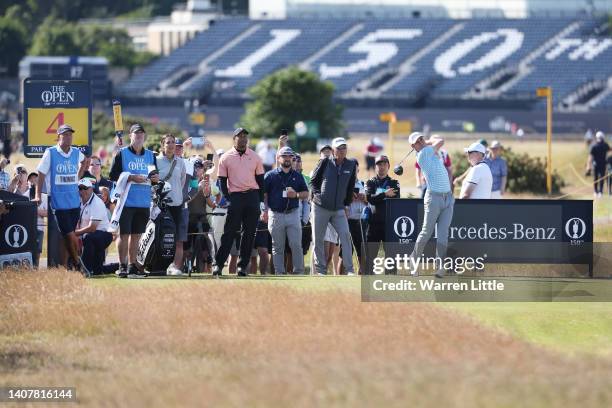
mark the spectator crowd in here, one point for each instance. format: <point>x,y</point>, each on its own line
<point>245,209</point>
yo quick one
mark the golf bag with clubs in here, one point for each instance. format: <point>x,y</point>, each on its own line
<point>157,245</point>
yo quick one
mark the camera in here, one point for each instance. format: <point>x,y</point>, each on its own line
<point>9,205</point>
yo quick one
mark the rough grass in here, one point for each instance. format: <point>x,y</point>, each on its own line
<point>229,343</point>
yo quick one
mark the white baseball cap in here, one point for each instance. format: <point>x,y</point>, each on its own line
<point>414,136</point>
<point>475,147</point>
<point>599,135</point>
<point>337,142</point>
<point>85,182</point>
<point>495,144</point>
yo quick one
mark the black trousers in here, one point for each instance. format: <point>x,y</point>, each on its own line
<point>598,173</point>
<point>94,250</point>
<point>357,235</point>
<point>376,235</point>
<point>242,217</point>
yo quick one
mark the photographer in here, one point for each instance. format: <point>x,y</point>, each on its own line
<point>93,222</point>
<point>19,183</point>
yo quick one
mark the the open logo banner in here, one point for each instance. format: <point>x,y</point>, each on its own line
<point>504,231</point>
<point>48,104</point>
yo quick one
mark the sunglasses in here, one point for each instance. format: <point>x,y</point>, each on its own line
<point>95,164</point>
<point>81,188</point>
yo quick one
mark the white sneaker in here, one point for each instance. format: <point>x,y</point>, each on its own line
<point>173,271</point>
<point>440,274</point>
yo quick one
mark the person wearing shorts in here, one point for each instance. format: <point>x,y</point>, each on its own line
<point>64,164</point>
<point>141,165</point>
<point>262,247</point>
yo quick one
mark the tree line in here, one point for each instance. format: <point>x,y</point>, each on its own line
<point>49,27</point>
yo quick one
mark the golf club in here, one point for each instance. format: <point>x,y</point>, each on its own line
<point>399,170</point>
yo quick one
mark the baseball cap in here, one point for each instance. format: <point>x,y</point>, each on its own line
<point>239,131</point>
<point>414,136</point>
<point>382,158</point>
<point>599,135</point>
<point>178,141</point>
<point>325,146</point>
<point>483,142</point>
<point>64,128</point>
<point>136,127</point>
<point>476,147</point>
<point>297,156</point>
<point>337,142</point>
<point>495,144</point>
<point>85,182</point>
<point>286,151</point>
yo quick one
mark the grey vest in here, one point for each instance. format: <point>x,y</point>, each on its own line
<point>335,184</point>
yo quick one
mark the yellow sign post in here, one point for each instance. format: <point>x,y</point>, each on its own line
<point>390,118</point>
<point>546,92</point>
<point>197,118</point>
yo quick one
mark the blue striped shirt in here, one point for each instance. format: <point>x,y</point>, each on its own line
<point>434,171</point>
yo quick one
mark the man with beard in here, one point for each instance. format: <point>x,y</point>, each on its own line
<point>284,188</point>
<point>242,182</point>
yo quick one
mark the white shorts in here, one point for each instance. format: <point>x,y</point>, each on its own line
<point>331,235</point>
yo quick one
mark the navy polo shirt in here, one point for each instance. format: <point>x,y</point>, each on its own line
<point>276,181</point>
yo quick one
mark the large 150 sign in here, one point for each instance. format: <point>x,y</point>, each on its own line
<point>378,48</point>
<point>48,104</point>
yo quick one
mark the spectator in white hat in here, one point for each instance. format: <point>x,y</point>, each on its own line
<point>332,186</point>
<point>91,228</point>
<point>479,180</point>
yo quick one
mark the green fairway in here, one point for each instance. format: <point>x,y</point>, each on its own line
<point>566,327</point>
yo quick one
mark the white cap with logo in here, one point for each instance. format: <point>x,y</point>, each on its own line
<point>414,136</point>
<point>85,182</point>
<point>475,147</point>
<point>337,142</point>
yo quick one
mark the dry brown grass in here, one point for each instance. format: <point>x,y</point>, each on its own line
<point>238,343</point>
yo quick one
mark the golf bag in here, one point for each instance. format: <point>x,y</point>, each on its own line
<point>157,245</point>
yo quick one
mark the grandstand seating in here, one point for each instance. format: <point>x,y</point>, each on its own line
<point>441,58</point>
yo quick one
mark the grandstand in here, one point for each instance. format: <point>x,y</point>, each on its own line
<point>415,62</point>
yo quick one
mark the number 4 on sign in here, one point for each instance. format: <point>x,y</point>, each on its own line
<point>59,118</point>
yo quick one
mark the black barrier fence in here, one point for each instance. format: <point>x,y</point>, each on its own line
<point>17,230</point>
<point>507,231</point>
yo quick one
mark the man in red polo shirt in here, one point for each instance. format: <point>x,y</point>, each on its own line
<point>241,174</point>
